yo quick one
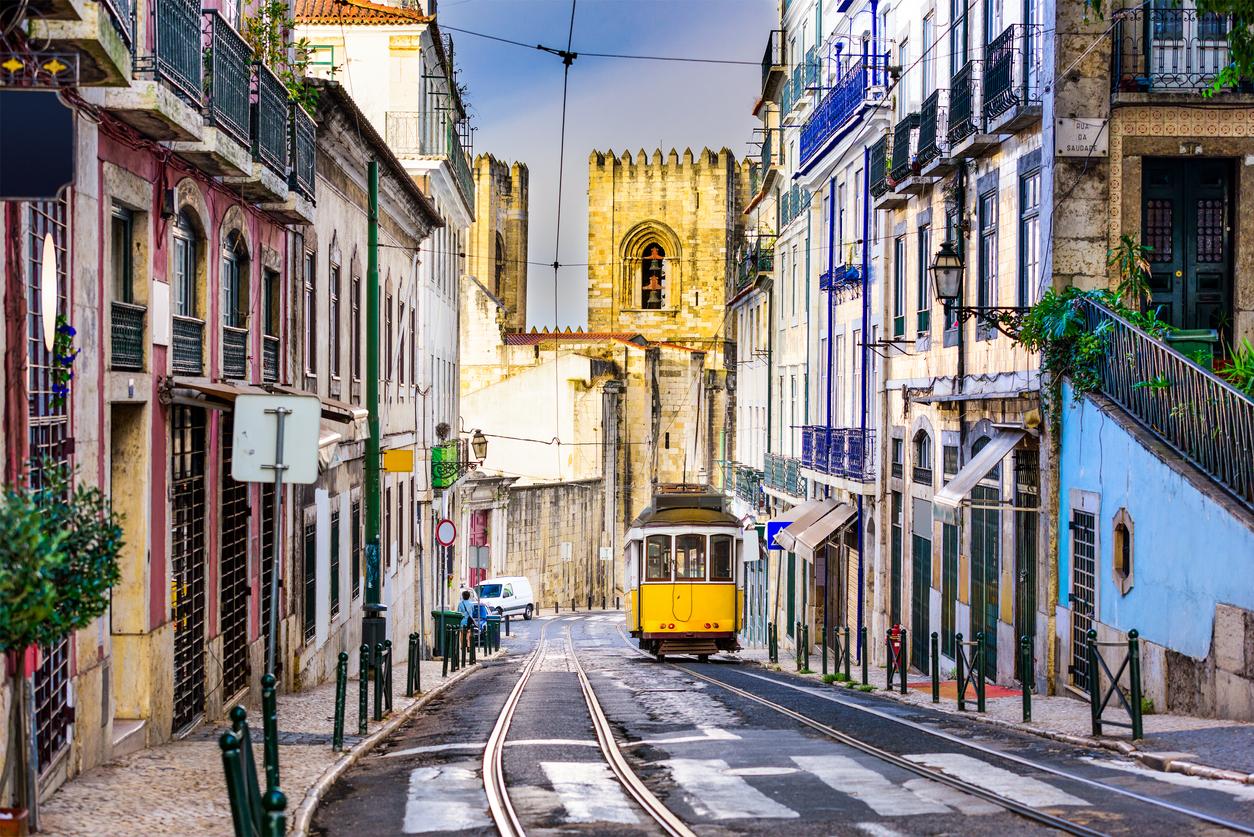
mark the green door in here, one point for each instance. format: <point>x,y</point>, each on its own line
<point>1186,218</point>
<point>920,582</point>
<point>985,555</point>
<point>894,581</point>
<point>792,592</point>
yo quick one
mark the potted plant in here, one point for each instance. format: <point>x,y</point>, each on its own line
<point>59,548</point>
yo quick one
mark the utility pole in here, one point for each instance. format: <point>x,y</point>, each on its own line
<point>373,626</point>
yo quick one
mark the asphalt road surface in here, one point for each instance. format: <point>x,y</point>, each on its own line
<point>811,760</point>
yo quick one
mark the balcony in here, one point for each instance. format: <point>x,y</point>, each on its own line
<point>406,136</point>
<point>1205,419</point>
<point>298,208</point>
<point>859,85</point>
<point>905,167</point>
<point>756,259</point>
<point>460,165</point>
<point>269,358</point>
<point>234,352</point>
<point>449,461</point>
<point>266,182</point>
<point>967,136</point>
<point>773,63</point>
<point>1168,50</point>
<point>933,154</point>
<point>164,100</point>
<point>792,204</point>
<point>1012,79</point>
<point>845,452</point>
<point>783,474</point>
<point>403,130</point>
<point>99,34</point>
<point>222,148</point>
<point>749,484</point>
<point>127,336</point>
<point>187,349</point>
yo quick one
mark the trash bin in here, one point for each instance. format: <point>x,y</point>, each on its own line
<point>443,618</point>
<point>1198,344</point>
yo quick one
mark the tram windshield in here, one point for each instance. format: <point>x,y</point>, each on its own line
<point>690,557</point>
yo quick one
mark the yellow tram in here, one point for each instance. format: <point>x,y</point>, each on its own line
<point>682,558</point>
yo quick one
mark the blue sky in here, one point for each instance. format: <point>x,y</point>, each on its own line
<point>516,95</point>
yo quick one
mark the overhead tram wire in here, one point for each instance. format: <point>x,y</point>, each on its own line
<point>612,55</point>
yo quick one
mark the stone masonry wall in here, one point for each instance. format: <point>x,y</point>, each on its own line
<point>541,519</point>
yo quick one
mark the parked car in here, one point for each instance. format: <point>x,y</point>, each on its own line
<point>507,595</point>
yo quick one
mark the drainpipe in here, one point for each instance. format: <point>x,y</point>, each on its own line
<point>831,266</point>
<point>866,316</point>
<point>805,385</point>
<point>875,49</point>
<point>373,627</point>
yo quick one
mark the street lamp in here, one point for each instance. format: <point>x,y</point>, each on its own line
<point>947,268</point>
<point>479,444</point>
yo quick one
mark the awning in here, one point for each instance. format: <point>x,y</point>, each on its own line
<point>333,410</point>
<point>329,439</point>
<point>222,394</point>
<point>1002,442</point>
<point>822,529</point>
<point>804,515</point>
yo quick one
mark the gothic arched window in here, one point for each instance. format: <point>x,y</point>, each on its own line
<point>653,276</point>
<point>499,275</point>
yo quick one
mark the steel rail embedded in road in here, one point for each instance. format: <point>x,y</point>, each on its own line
<point>502,810</point>
<point>632,783</point>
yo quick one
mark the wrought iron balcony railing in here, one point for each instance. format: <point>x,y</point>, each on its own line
<point>749,484</point>
<point>847,452</point>
<point>122,13</point>
<point>461,166</point>
<point>1168,49</point>
<point>905,143</point>
<point>269,358</point>
<point>234,352</point>
<point>782,473</point>
<point>877,181</point>
<point>792,204</point>
<point>303,152</point>
<point>966,117</point>
<point>772,61</point>
<point>270,116</point>
<point>403,129</point>
<point>756,259</point>
<point>853,88</point>
<point>933,142</point>
<point>449,461</point>
<point>188,347</point>
<point>1207,420</point>
<point>177,56</point>
<point>1012,70</point>
<point>227,80</point>
<point>127,336</point>
<point>768,153</point>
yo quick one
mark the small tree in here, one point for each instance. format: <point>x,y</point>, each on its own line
<point>59,551</point>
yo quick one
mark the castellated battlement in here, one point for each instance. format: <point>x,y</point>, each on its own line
<point>645,164</point>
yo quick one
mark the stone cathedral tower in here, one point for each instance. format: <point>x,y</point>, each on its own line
<point>497,253</point>
<point>661,238</point>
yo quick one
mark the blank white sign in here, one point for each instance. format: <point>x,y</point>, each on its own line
<point>256,423</point>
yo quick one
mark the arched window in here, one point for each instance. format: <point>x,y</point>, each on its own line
<point>499,276</point>
<point>653,276</point>
<point>994,474</point>
<point>922,446</point>
<point>186,267</point>
<point>234,281</point>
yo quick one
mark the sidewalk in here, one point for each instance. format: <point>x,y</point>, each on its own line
<point>1207,747</point>
<point>178,789</point>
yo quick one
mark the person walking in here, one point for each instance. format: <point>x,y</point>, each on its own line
<point>467,609</point>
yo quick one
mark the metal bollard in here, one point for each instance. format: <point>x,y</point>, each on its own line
<point>341,693</point>
<point>555,607</point>
<point>935,667</point>
<point>275,817</point>
<point>573,609</point>
<point>444,658</point>
<point>1095,683</point>
<point>904,665</point>
<point>1134,682</point>
<point>796,642</point>
<point>805,646</point>
<point>961,654</point>
<point>387,676</point>
<point>892,660</point>
<point>864,651</point>
<point>847,650</point>
<point>236,786</point>
<point>413,673</point>
<point>363,689</point>
<point>979,675</point>
<point>507,624</point>
<point>378,681</point>
<point>617,606</point>
<point>1025,669</point>
<point>252,794</point>
<point>823,650</point>
<point>589,601</point>
<point>270,729</point>
<point>603,603</point>
<point>474,640</point>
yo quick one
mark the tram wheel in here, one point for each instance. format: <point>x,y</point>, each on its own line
<point>703,658</point>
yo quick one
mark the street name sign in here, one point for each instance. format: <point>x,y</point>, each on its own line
<point>1081,137</point>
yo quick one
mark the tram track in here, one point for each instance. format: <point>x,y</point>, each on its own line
<point>1025,811</point>
<point>502,810</point>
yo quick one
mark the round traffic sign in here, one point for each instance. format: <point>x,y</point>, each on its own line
<point>445,532</point>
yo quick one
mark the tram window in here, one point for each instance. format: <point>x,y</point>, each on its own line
<point>720,558</point>
<point>690,557</point>
<point>658,558</point>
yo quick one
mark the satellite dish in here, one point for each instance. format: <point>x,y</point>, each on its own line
<point>48,290</point>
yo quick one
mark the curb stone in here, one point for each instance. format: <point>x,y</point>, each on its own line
<point>303,818</point>
<point>1124,748</point>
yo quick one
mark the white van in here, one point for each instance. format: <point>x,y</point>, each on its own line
<point>508,594</point>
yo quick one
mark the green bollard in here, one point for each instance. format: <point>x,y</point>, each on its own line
<point>796,642</point>
<point>1095,683</point>
<point>805,647</point>
<point>979,674</point>
<point>903,667</point>
<point>824,650</point>
<point>378,681</point>
<point>363,688</point>
<point>387,676</point>
<point>1134,682</point>
<point>935,667</point>
<point>236,787</point>
<point>444,659</point>
<point>275,818</point>
<point>961,653</point>
<point>1025,669</point>
<point>341,693</point>
<point>847,652</point>
<point>270,730</point>
<point>892,659</point>
<point>239,726</point>
<point>863,653</point>
<point>770,642</point>
<point>410,661</point>
<point>474,641</point>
